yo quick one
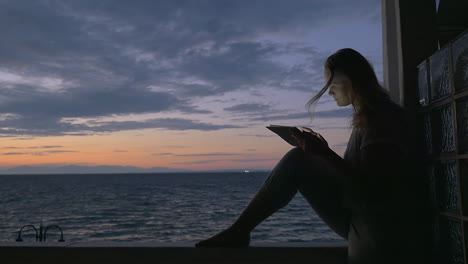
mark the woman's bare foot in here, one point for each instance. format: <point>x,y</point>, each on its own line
<point>227,238</point>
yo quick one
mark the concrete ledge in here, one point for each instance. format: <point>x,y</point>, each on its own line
<point>135,253</point>
<point>164,244</point>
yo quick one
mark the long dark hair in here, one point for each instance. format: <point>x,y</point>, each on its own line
<point>366,93</point>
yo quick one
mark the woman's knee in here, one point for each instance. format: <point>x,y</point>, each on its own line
<point>296,154</point>
<point>305,162</point>
<point>291,160</point>
<point>302,167</point>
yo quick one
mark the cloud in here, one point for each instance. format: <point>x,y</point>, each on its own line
<point>28,101</point>
<point>60,128</point>
<point>216,161</point>
<point>254,160</point>
<point>162,154</point>
<point>163,123</point>
<point>331,127</point>
<point>196,162</point>
<point>248,108</point>
<point>120,151</point>
<point>202,154</point>
<point>256,135</point>
<point>59,151</point>
<point>40,153</point>
<point>211,154</point>
<point>45,147</point>
<point>334,113</point>
<point>34,147</point>
<point>83,59</point>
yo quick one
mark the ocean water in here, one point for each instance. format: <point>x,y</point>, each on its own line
<point>160,207</point>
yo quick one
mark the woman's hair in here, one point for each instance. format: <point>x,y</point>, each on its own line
<point>366,93</point>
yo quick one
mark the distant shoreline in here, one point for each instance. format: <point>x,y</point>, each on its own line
<point>109,169</point>
<point>135,173</point>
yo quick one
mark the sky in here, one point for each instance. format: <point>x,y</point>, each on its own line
<point>178,84</point>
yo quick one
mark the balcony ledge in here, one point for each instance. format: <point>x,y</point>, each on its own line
<point>157,252</point>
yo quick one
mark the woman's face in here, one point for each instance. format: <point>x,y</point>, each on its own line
<point>339,88</point>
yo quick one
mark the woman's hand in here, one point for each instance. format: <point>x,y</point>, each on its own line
<point>310,141</point>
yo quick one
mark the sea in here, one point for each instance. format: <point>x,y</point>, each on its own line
<point>159,207</point>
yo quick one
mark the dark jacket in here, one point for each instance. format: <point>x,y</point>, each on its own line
<point>389,195</point>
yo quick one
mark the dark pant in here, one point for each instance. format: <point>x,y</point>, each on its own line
<point>373,239</point>
<point>315,178</point>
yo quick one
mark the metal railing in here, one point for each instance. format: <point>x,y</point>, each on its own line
<point>41,234</point>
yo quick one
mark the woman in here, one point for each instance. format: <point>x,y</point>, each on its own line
<point>374,197</point>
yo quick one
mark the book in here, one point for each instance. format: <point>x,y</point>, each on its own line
<point>286,132</point>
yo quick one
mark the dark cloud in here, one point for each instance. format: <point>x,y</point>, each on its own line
<point>54,127</point>
<point>59,151</point>
<point>196,162</point>
<point>163,123</point>
<point>248,108</point>
<point>332,127</point>
<point>81,59</point>
<point>335,113</point>
<point>34,147</point>
<point>216,161</point>
<point>40,153</point>
<point>211,154</point>
<point>240,66</point>
<point>163,154</point>
<point>28,101</point>
<point>253,160</point>
<point>45,147</point>
<point>202,154</point>
<point>256,135</point>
